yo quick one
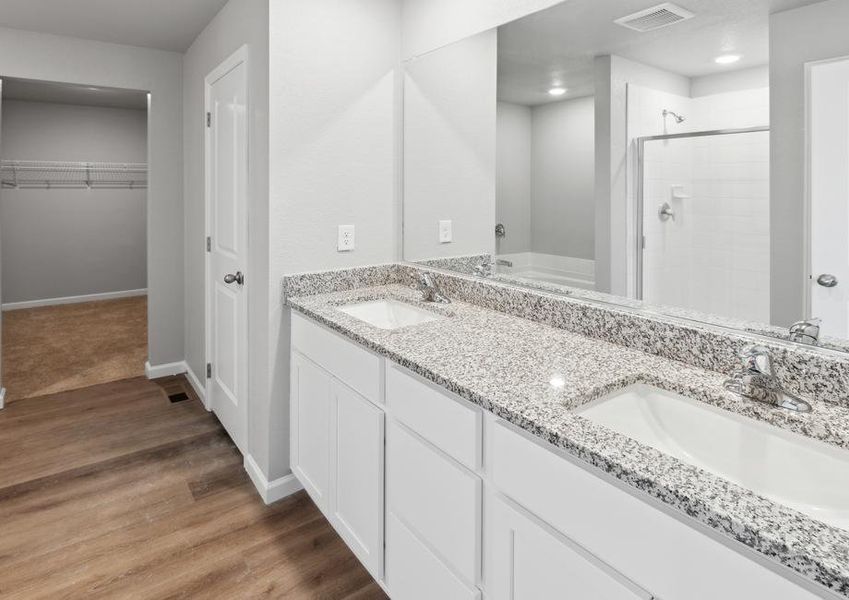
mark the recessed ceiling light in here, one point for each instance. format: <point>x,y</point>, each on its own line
<point>557,91</point>
<point>727,59</point>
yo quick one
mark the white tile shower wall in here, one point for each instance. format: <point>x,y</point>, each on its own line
<point>714,255</point>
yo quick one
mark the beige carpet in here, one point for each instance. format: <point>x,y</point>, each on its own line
<point>57,348</point>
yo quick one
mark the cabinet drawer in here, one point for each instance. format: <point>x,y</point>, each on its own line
<point>650,547</point>
<point>448,423</point>
<point>438,499</point>
<point>414,573</point>
<point>349,363</point>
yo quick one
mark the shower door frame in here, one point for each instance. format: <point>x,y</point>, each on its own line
<point>639,204</point>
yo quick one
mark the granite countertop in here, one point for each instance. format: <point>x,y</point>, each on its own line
<point>505,365</point>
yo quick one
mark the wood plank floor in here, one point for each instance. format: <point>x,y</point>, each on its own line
<point>113,491</point>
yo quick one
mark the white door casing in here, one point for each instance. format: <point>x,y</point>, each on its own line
<point>828,190</point>
<point>226,152</point>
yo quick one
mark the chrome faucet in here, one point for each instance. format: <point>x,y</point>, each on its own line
<point>484,269</point>
<point>757,381</point>
<point>430,291</point>
<point>806,332</point>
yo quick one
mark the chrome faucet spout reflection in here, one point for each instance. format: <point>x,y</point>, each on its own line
<point>430,291</point>
<point>757,381</point>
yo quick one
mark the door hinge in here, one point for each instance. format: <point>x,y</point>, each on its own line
<point>644,242</point>
<point>209,119</point>
<point>208,244</point>
<point>209,370</point>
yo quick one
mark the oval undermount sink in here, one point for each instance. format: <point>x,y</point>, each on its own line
<point>799,472</point>
<point>389,314</point>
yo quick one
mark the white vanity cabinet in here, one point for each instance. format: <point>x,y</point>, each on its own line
<point>337,438</point>
<point>440,499</point>
<point>526,559</point>
<point>433,492</point>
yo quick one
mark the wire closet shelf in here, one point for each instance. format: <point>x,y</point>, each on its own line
<point>41,174</point>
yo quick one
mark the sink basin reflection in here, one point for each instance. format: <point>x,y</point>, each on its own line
<point>801,473</point>
<point>389,314</point>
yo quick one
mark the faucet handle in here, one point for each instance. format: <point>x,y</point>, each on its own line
<point>806,331</point>
<point>757,359</point>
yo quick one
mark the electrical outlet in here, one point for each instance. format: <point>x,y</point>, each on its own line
<point>446,235</point>
<point>345,242</point>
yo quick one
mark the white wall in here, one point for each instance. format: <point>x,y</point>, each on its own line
<point>614,231</point>
<point>449,149</point>
<point>333,122</point>
<point>810,33</point>
<point>431,24</point>
<point>731,81</point>
<point>71,242</point>
<point>563,172</point>
<point>62,59</point>
<point>239,22</point>
<point>513,176</point>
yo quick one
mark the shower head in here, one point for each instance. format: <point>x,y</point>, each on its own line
<point>678,118</point>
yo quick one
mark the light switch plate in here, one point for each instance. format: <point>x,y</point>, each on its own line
<point>446,235</point>
<point>346,242</point>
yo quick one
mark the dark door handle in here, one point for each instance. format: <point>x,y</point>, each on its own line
<point>237,278</point>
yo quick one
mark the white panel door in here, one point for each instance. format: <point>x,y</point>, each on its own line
<point>526,562</point>
<point>358,465</point>
<point>227,163</point>
<point>828,122</point>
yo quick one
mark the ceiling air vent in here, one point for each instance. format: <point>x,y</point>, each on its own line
<point>655,17</point>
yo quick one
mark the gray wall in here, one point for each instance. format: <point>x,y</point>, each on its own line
<point>64,59</point>
<point>334,154</point>
<point>63,242</point>
<point>449,148</point>
<point>563,176</point>
<point>811,33</point>
<point>513,176</point>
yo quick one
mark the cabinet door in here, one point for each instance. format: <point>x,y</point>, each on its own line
<point>358,468</point>
<point>310,428</point>
<point>524,561</point>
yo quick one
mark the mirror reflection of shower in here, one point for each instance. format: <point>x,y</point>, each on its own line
<point>678,118</point>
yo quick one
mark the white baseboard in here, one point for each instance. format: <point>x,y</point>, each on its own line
<point>73,299</point>
<point>157,371</point>
<point>198,387</point>
<point>2,398</point>
<point>271,491</point>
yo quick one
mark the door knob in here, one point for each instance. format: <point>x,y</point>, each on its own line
<point>237,278</point>
<point>827,280</point>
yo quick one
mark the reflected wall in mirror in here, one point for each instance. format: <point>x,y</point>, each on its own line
<point>690,159</point>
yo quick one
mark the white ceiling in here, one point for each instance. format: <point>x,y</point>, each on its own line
<point>556,46</point>
<point>163,24</point>
<point>66,93</point>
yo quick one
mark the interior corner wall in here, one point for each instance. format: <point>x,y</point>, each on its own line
<point>333,150</point>
<point>238,23</point>
<point>55,58</point>
<point>513,176</point>
<point>64,242</point>
<point>811,33</point>
<point>613,219</point>
<point>431,24</point>
<point>562,159</point>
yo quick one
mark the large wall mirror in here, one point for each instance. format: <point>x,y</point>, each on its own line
<point>686,158</point>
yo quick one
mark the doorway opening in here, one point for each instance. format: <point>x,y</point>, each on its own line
<point>73,236</point>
